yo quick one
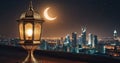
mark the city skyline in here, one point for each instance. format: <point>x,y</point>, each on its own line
<point>101,17</point>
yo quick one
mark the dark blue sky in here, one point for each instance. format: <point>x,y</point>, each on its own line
<point>100,16</point>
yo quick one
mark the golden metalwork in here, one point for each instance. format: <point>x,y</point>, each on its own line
<point>30,28</point>
<point>30,57</point>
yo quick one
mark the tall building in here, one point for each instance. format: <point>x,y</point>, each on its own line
<point>67,43</point>
<point>83,36</point>
<point>74,39</point>
<point>67,39</point>
<point>101,48</point>
<point>43,45</point>
<point>74,47</point>
<point>95,41</point>
<point>79,40</point>
<point>61,41</point>
<point>90,39</point>
<point>115,34</point>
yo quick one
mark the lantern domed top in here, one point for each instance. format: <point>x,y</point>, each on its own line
<point>31,13</point>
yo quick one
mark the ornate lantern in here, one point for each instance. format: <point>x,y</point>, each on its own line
<point>30,28</point>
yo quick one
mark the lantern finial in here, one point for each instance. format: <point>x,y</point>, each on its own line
<point>30,6</point>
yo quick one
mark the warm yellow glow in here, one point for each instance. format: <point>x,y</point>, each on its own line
<point>29,32</point>
<point>21,31</point>
<point>47,16</point>
<point>37,31</point>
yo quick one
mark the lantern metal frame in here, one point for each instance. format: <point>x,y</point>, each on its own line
<point>32,22</point>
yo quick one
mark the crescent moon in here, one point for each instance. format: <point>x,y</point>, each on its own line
<point>47,16</point>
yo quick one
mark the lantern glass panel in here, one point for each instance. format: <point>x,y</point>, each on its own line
<point>28,31</point>
<point>37,31</point>
<point>21,31</point>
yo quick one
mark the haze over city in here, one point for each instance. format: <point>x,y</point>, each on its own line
<point>100,16</point>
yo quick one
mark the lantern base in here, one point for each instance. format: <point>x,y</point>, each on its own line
<point>30,58</point>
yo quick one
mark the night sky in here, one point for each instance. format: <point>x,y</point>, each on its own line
<point>100,16</point>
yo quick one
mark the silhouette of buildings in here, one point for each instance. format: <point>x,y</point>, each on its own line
<point>75,43</point>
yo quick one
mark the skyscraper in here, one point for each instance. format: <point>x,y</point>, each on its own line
<point>90,39</point>
<point>74,48</point>
<point>95,41</point>
<point>67,43</point>
<point>67,39</point>
<point>79,40</point>
<point>83,36</point>
<point>74,39</point>
<point>115,34</point>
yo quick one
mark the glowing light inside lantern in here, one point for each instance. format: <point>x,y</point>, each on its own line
<point>29,32</point>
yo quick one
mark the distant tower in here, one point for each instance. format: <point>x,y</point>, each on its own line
<point>44,45</point>
<point>61,42</point>
<point>67,43</point>
<point>90,38</point>
<point>67,39</point>
<point>79,40</point>
<point>115,34</point>
<point>74,39</point>
<point>95,41</point>
<point>101,48</point>
<point>83,35</point>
